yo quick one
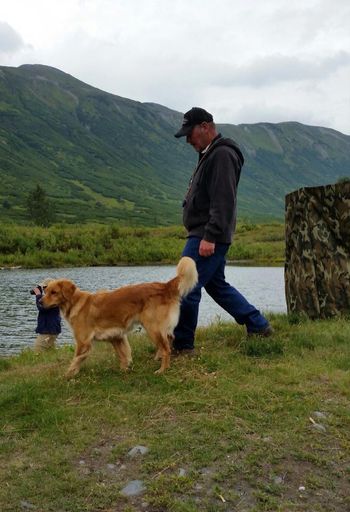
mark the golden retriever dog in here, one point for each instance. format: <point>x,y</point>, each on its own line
<point>110,315</point>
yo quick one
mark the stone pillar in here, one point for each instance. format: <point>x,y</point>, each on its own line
<point>317,268</point>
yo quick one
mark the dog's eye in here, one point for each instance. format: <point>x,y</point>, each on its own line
<point>53,292</point>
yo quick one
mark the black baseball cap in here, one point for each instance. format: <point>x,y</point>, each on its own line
<point>194,116</point>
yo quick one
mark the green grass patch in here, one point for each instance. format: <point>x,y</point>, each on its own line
<point>95,245</point>
<point>237,427</point>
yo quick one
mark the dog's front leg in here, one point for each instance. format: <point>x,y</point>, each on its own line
<point>81,352</point>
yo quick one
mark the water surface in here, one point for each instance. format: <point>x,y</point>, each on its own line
<point>262,286</point>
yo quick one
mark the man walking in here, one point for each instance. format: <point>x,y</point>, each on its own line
<point>209,215</point>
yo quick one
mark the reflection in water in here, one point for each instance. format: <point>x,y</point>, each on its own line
<point>262,286</point>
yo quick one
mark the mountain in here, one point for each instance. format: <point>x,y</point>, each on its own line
<point>103,157</point>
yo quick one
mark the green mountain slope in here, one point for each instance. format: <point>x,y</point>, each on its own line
<point>103,157</point>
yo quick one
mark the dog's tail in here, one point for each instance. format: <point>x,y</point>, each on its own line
<point>187,275</point>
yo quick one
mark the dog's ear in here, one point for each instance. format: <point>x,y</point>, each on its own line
<point>67,289</point>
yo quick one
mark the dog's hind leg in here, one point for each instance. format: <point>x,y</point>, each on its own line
<point>158,355</point>
<point>81,352</point>
<point>163,348</point>
<point>123,350</point>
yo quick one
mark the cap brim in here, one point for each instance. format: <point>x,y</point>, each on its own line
<point>184,131</point>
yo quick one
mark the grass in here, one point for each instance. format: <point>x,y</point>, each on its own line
<point>234,428</point>
<point>95,245</point>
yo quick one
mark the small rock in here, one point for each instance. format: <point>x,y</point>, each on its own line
<point>110,466</point>
<point>123,466</point>
<point>278,480</point>
<point>133,488</point>
<point>182,472</point>
<point>301,488</point>
<point>320,415</point>
<point>319,427</point>
<point>205,471</point>
<point>198,487</point>
<point>138,450</point>
<point>27,505</point>
<point>82,462</point>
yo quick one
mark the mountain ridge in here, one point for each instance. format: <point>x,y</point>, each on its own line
<point>103,157</point>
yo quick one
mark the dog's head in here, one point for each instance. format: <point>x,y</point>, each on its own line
<point>58,293</point>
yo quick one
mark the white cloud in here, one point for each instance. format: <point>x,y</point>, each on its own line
<point>245,60</point>
<point>10,41</point>
<point>270,69</point>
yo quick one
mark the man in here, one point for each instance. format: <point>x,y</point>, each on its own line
<point>209,215</point>
<point>48,323</point>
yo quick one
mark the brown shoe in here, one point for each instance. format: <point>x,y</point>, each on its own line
<point>189,352</point>
<point>265,333</point>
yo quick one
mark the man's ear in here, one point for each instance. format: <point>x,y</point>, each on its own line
<point>68,288</point>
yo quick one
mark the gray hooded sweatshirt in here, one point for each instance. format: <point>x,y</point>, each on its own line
<point>209,209</point>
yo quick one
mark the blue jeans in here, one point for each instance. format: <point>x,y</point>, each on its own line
<point>211,276</point>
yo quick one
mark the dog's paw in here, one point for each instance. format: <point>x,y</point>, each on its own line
<point>71,373</point>
<point>126,369</point>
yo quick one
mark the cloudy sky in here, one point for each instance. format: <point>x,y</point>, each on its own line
<point>246,61</point>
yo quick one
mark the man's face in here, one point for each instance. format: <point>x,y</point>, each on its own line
<point>198,137</point>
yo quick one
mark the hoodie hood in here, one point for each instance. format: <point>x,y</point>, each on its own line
<point>224,141</point>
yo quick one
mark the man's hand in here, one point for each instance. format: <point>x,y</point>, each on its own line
<point>37,291</point>
<point>206,248</point>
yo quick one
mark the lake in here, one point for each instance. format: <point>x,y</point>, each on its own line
<point>262,286</point>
